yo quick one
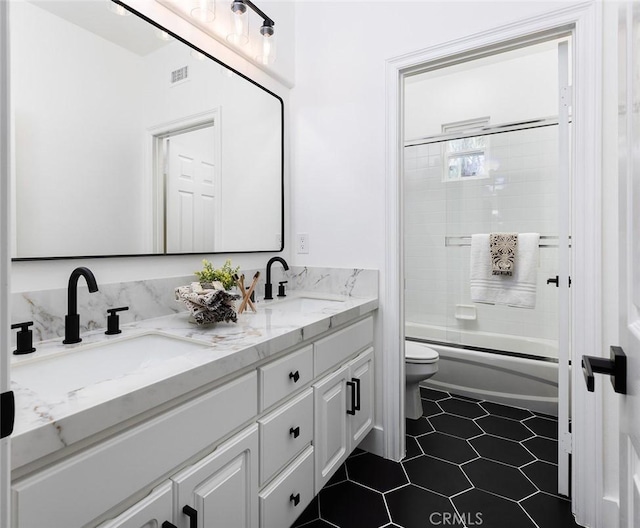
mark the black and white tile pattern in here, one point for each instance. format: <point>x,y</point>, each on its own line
<point>469,464</point>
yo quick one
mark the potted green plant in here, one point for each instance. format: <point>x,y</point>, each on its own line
<point>224,275</point>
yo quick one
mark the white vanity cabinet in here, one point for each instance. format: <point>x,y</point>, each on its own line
<point>250,453</point>
<point>82,487</point>
<point>343,414</point>
<point>218,491</point>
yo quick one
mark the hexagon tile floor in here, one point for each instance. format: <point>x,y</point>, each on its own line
<point>469,464</point>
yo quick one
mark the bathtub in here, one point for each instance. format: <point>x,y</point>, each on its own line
<point>530,382</point>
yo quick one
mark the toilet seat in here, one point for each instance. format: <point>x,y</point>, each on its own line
<point>420,354</point>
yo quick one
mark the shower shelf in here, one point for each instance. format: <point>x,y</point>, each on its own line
<point>460,241</point>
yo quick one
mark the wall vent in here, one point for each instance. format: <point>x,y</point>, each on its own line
<point>179,75</point>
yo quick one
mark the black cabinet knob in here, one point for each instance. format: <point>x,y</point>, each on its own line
<point>295,376</point>
<point>295,432</point>
<point>295,499</point>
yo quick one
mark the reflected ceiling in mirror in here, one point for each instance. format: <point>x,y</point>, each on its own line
<point>127,141</point>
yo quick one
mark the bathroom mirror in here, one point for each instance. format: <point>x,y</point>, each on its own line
<point>127,141</point>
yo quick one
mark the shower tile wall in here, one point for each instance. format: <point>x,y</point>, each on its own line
<point>520,195</point>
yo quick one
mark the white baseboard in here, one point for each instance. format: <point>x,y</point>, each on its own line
<point>374,441</point>
<point>610,512</point>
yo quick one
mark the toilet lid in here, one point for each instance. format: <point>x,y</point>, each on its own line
<point>421,354</point>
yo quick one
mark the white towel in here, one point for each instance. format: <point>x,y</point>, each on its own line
<point>519,289</point>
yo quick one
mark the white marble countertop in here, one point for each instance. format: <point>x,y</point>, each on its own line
<point>43,426</point>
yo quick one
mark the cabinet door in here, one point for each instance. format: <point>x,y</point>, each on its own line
<point>330,425</point>
<point>362,375</point>
<point>223,487</point>
<point>154,511</point>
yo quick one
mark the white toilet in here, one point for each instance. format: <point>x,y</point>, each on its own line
<point>421,362</point>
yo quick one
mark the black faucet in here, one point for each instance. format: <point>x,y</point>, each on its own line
<point>72,319</point>
<point>267,287</point>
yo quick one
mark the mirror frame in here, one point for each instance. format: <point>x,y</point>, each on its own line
<point>282,190</point>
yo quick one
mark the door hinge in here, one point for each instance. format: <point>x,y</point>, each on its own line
<point>566,443</point>
<point>7,413</point>
<point>566,96</point>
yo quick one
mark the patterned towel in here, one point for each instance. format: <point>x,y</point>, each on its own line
<point>503,253</point>
<point>518,290</point>
<point>208,306</point>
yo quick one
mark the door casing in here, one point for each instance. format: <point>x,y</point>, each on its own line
<point>583,20</point>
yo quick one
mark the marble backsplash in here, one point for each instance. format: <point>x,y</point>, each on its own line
<point>147,299</point>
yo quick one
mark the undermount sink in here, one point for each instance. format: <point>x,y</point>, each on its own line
<point>305,304</point>
<point>86,365</point>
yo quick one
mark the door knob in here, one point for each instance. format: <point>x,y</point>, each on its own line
<point>616,367</point>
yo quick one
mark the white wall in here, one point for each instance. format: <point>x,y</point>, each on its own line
<point>512,86</point>
<point>338,107</point>
<point>28,276</point>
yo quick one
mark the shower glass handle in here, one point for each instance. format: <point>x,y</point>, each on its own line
<point>555,281</point>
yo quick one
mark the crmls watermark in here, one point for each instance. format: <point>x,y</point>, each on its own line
<point>449,519</point>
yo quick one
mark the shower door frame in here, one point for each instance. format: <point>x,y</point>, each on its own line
<point>583,21</point>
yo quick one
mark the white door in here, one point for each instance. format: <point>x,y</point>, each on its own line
<point>330,424</point>
<point>629,171</point>
<point>221,491</point>
<point>362,374</point>
<point>192,191</point>
<point>5,262</point>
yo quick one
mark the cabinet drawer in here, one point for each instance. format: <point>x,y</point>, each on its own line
<point>284,433</point>
<point>284,376</point>
<point>125,464</point>
<point>282,501</point>
<point>336,348</point>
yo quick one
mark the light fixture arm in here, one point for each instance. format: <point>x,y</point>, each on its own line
<point>266,21</point>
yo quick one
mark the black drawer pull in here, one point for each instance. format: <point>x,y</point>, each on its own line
<point>167,524</point>
<point>356,407</point>
<point>295,432</point>
<point>295,376</point>
<point>351,384</point>
<point>295,498</point>
<point>193,516</point>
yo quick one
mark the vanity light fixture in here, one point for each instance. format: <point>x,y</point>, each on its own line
<point>267,53</point>
<point>239,34</point>
<point>240,30</point>
<point>204,10</point>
